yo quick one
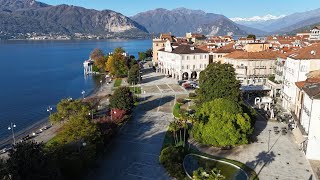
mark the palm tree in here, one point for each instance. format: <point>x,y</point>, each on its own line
<point>174,127</point>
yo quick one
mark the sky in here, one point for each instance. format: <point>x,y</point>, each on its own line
<point>229,8</point>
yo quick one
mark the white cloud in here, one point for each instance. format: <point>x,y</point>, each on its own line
<point>257,18</point>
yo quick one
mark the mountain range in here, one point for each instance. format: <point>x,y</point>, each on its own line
<point>27,16</point>
<point>285,24</point>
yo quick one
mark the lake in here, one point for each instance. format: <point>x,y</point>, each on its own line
<point>37,74</point>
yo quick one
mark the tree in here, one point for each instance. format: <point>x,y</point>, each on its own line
<point>134,74</point>
<point>67,108</point>
<point>252,36</point>
<point>218,81</point>
<point>96,53</point>
<point>122,99</point>
<point>171,158</point>
<point>29,161</point>
<point>117,63</point>
<point>79,128</point>
<point>142,56</point>
<point>100,63</point>
<point>149,53</point>
<point>4,174</point>
<point>223,123</point>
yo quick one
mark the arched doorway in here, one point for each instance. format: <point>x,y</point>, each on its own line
<point>194,75</point>
<point>185,76</point>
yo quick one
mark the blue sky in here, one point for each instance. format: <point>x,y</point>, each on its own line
<point>229,8</point>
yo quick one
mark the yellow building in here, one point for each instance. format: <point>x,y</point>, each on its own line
<point>159,43</point>
<point>256,47</point>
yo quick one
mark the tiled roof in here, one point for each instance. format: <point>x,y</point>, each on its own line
<point>312,89</point>
<point>246,39</point>
<point>253,55</point>
<point>226,49</point>
<point>308,52</point>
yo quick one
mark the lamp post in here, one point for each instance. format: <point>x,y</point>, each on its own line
<point>11,126</point>
<point>112,113</point>
<point>83,92</point>
<point>269,140</point>
<point>49,109</point>
<point>91,113</point>
<point>101,85</point>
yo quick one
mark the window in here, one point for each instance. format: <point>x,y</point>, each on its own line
<point>194,57</point>
<point>187,57</point>
<point>182,67</point>
<point>194,66</point>
<point>205,65</point>
<point>200,56</point>
<point>187,66</point>
<point>182,57</point>
<point>200,66</point>
<point>205,56</point>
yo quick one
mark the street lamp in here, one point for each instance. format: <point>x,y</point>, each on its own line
<point>11,126</point>
<point>91,113</point>
<point>101,85</point>
<point>83,92</point>
<point>49,109</point>
<point>112,113</point>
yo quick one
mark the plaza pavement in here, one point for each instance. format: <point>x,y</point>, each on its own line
<point>277,158</point>
<point>134,152</point>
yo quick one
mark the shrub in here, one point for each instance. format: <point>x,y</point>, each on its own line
<point>171,158</point>
<point>117,82</point>
<point>180,100</point>
<point>176,110</point>
<point>192,95</point>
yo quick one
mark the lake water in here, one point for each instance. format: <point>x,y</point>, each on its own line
<point>37,74</point>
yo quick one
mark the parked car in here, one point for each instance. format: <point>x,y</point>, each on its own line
<point>180,82</point>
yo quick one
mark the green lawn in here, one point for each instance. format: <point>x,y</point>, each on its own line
<point>136,90</point>
<point>117,82</point>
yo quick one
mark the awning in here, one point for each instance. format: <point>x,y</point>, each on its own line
<point>298,135</point>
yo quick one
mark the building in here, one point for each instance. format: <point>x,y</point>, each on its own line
<point>307,117</point>
<point>256,47</point>
<point>182,62</point>
<point>195,37</point>
<point>297,65</point>
<point>159,43</point>
<point>315,34</point>
<point>252,68</point>
<point>244,41</point>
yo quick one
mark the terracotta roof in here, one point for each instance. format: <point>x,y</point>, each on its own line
<point>253,55</point>
<point>246,39</point>
<point>226,49</point>
<point>308,52</point>
<point>312,89</point>
<point>316,27</point>
<point>314,74</point>
<point>308,81</point>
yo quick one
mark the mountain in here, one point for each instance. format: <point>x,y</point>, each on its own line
<point>26,16</point>
<point>303,29</point>
<point>179,21</point>
<point>287,23</point>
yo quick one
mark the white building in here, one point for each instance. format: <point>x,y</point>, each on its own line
<point>297,65</point>
<point>315,34</point>
<point>183,61</point>
<point>252,68</point>
<point>307,112</point>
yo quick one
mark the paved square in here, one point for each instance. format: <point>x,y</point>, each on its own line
<point>277,158</point>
